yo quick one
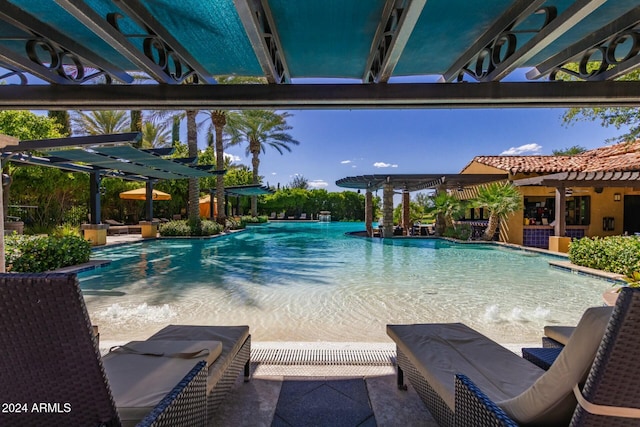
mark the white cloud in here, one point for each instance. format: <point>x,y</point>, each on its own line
<point>384,165</point>
<point>318,183</point>
<point>274,173</point>
<point>232,157</point>
<point>526,148</point>
<point>344,162</point>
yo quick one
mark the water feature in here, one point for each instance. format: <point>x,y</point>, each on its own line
<point>310,282</point>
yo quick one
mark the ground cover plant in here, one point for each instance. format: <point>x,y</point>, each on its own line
<point>616,254</point>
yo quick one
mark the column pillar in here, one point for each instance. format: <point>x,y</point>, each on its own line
<point>405,212</point>
<point>440,220</point>
<point>94,198</point>
<point>149,201</point>
<point>387,210</point>
<point>561,210</point>
<point>368,212</point>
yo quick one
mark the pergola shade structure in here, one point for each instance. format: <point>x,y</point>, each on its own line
<point>377,46</point>
<point>106,156</point>
<point>407,183</point>
<point>238,191</point>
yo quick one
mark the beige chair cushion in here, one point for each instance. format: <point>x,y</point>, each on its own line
<point>232,338</point>
<point>140,382</point>
<point>550,399</point>
<point>441,350</point>
<point>559,333</point>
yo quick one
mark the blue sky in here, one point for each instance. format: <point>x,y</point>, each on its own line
<point>341,143</point>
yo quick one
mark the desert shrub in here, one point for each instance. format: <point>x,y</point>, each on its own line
<point>35,254</point>
<point>616,254</point>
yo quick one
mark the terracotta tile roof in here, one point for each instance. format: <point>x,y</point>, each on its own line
<point>539,164</point>
<point>613,158</point>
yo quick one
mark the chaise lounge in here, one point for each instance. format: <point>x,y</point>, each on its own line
<point>465,379</point>
<point>50,356</point>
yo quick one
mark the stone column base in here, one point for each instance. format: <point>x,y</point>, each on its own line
<point>559,244</point>
<point>95,233</point>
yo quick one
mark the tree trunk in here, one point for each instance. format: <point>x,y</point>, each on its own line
<point>255,162</point>
<point>219,119</point>
<point>491,227</point>
<point>194,184</point>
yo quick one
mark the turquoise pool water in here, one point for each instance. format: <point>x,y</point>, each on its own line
<point>310,282</point>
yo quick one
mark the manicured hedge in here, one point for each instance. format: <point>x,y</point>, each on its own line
<point>616,254</point>
<point>35,254</point>
<point>183,228</point>
<point>248,219</point>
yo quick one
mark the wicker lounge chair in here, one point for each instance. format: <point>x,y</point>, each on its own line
<point>51,364</point>
<point>465,379</point>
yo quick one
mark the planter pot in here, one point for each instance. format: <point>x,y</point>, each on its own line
<point>11,226</point>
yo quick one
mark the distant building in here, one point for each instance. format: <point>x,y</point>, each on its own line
<point>601,192</point>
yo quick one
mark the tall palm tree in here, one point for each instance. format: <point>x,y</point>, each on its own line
<point>100,122</point>
<point>501,199</point>
<point>219,121</point>
<point>259,129</point>
<point>155,135</point>
<point>194,187</point>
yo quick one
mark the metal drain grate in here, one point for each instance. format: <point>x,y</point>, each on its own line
<point>323,357</point>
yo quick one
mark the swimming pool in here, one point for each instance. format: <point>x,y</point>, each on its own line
<point>310,282</point>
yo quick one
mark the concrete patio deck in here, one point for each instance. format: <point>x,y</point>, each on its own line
<point>338,393</point>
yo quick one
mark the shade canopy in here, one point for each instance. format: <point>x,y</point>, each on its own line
<point>141,194</point>
<point>69,43</point>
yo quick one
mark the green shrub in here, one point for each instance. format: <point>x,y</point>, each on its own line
<point>175,228</point>
<point>210,228</point>
<point>616,254</point>
<point>460,232</point>
<point>67,229</point>
<point>248,219</point>
<point>35,254</point>
<point>184,228</point>
<point>234,224</point>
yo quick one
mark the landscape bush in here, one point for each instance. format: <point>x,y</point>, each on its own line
<point>616,254</point>
<point>184,228</point>
<point>36,254</point>
<point>248,219</point>
<point>460,232</point>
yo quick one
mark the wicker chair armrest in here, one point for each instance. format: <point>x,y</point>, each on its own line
<point>185,405</point>
<point>475,409</point>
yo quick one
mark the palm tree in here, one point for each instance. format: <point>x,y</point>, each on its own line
<point>259,129</point>
<point>155,135</point>
<point>219,121</point>
<point>501,199</point>
<point>194,187</point>
<point>100,122</point>
<point>446,208</point>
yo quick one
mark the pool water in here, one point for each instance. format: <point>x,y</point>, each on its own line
<point>311,282</point>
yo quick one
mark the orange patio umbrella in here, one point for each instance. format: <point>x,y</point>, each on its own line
<point>141,194</point>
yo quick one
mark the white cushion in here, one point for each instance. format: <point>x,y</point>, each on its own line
<point>559,333</point>
<point>232,338</point>
<point>441,350</point>
<point>139,382</point>
<point>550,399</point>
